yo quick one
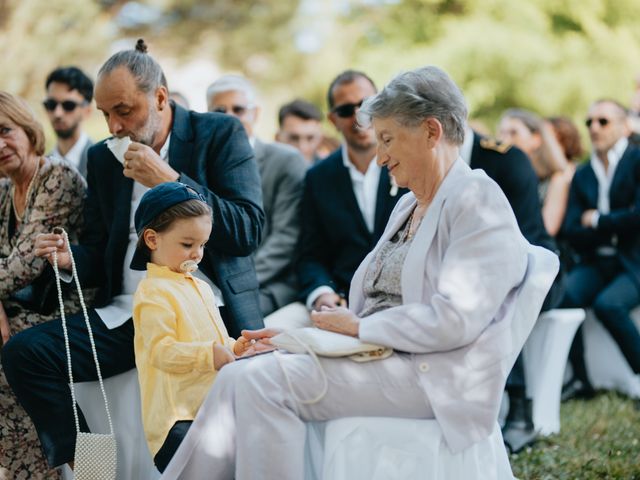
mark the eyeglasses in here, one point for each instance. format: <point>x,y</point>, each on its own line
<point>346,110</point>
<point>67,105</point>
<point>238,110</point>
<point>603,122</point>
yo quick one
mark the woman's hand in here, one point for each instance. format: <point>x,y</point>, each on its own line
<point>221,356</point>
<point>255,341</point>
<point>329,300</point>
<point>47,243</point>
<point>5,329</point>
<point>339,320</point>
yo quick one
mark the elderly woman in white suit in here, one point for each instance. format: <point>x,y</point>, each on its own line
<point>439,288</point>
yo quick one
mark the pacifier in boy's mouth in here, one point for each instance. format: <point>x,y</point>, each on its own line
<point>188,266</point>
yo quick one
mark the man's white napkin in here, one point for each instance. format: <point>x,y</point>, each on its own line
<point>118,147</point>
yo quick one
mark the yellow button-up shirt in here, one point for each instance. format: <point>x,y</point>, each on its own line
<point>176,325</point>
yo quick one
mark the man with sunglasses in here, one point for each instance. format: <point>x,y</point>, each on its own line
<point>346,203</point>
<point>282,170</point>
<point>603,225</point>
<point>68,104</point>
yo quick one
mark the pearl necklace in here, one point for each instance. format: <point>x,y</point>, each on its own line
<point>26,197</point>
<point>74,273</point>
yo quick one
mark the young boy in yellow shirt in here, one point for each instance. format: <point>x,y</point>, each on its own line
<point>180,340</point>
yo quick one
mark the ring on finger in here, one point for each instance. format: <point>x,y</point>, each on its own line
<point>126,164</point>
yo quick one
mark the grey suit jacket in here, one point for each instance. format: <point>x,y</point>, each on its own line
<point>469,300</point>
<point>82,166</point>
<point>282,169</point>
<point>84,155</point>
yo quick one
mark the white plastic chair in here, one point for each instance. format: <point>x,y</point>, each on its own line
<point>123,393</point>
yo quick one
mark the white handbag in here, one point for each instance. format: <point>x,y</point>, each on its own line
<point>95,453</point>
<point>315,341</point>
<point>328,344</point>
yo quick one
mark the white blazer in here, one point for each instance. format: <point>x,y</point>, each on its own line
<point>462,295</point>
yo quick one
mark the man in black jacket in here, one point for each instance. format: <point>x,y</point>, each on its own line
<point>346,202</point>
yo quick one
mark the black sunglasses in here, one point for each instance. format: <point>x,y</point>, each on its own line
<point>346,110</point>
<point>603,122</point>
<point>67,105</point>
<point>236,109</point>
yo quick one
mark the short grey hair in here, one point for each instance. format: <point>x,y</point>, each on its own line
<point>414,96</point>
<point>144,69</point>
<point>232,83</point>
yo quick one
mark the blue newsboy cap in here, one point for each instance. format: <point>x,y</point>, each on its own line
<point>153,203</point>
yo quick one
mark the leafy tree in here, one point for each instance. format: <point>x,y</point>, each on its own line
<point>39,35</point>
<point>547,55</point>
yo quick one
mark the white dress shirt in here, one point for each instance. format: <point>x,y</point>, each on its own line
<point>121,306</point>
<point>605,178</point>
<point>365,189</point>
<point>75,153</point>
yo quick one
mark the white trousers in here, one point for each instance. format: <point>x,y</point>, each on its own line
<point>251,427</point>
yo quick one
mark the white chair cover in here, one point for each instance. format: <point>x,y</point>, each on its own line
<point>123,392</point>
<point>606,366</point>
<point>370,448</point>
<point>289,317</point>
<point>545,356</point>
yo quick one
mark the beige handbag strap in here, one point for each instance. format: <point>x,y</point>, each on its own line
<point>61,231</point>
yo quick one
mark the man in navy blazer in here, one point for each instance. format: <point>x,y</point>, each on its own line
<point>602,224</point>
<point>208,152</point>
<point>346,202</point>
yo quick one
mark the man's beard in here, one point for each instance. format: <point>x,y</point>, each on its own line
<point>147,134</point>
<point>67,132</point>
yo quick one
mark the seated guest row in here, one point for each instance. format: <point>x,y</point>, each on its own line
<point>306,231</point>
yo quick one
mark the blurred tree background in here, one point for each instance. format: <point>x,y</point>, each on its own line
<point>550,56</point>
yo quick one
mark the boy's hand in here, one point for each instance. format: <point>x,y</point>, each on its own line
<point>221,356</point>
<point>255,341</point>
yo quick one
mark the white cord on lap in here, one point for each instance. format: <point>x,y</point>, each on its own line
<point>325,382</point>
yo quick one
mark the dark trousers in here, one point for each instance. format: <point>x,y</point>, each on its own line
<point>35,364</point>
<point>516,383</point>
<point>171,444</point>
<point>607,288</point>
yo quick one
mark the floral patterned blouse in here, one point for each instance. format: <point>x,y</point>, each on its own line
<point>55,200</point>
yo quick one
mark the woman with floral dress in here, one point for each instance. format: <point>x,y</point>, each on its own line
<point>36,194</point>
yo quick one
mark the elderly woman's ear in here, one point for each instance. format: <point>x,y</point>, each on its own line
<point>433,130</point>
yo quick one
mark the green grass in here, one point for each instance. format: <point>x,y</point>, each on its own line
<point>598,439</point>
